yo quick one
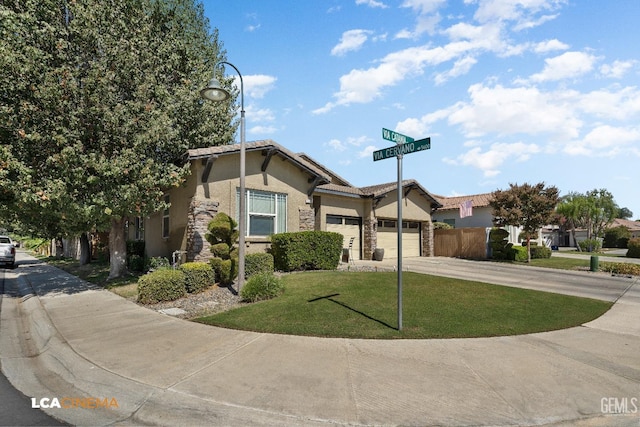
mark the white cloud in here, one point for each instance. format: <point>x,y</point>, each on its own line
<point>506,111</point>
<point>550,46</point>
<point>489,161</point>
<point>262,130</point>
<point>521,11</point>
<point>372,3</point>
<point>567,65</point>
<point>257,85</point>
<point>336,145</point>
<point>427,17</point>
<point>461,67</point>
<point>358,140</point>
<point>622,104</point>
<point>259,115</point>
<point>605,141</point>
<point>617,69</point>
<point>367,152</point>
<point>350,41</point>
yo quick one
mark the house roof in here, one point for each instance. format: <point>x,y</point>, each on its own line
<point>262,145</point>
<point>477,200</point>
<point>382,189</point>
<point>631,225</point>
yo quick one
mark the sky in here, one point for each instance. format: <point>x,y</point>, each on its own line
<point>509,91</point>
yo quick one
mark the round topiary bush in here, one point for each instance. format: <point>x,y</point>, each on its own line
<point>262,286</point>
<point>161,285</point>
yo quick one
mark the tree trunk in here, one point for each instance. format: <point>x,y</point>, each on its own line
<point>575,242</point>
<point>528,249</point>
<point>117,249</point>
<point>85,249</point>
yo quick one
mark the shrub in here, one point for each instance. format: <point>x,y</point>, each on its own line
<point>225,270</point>
<point>616,237</point>
<point>306,250</point>
<point>262,286</point>
<point>518,253</point>
<point>634,248</point>
<point>135,263</point>
<point>441,226</point>
<point>158,263</point>
<point>620,268</point>
<point>540,252</point>
<point>258,263</point>
<point>590,245</point>
<point>161,285</point>
<point>197,276</point>
<point>135,247</point>
<point>222,233</point>
<point>500,247</point>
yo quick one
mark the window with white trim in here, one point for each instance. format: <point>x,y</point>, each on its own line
<point>266,212</point>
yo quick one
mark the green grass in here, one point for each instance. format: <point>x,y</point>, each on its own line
<point>364,305</point>
<point>560,263</point>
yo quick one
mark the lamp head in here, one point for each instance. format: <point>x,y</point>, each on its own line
<point>214,91</point>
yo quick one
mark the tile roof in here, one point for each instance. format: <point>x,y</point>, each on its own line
<point>478,201</point>
<point>199,153</point>
<point>631,225</point>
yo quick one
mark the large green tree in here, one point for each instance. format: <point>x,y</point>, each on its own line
<point>99,105</point>
<point>593,211</point>
<point>527,206</point>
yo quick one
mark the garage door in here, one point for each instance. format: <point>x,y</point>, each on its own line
<point>349,227</point>
<point>388,238</point>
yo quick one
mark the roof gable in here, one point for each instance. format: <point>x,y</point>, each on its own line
<point>477,200</point>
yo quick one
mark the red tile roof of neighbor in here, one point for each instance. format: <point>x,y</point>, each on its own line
<point>631,225</point>
<point>478,201</point>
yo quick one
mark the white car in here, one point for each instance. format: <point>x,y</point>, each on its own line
<point>7,251</point>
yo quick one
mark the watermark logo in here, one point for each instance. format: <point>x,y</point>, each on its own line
<point>74,402</point>
<point>619,405</point>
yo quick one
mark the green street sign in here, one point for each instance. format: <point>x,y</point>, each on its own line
<point>397,150</point>
<point>396,137</point>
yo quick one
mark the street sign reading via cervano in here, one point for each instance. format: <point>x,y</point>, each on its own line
<point>396,150</point>
<point>396,137</point>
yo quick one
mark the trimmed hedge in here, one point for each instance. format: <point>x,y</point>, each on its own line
<point>540,252</point>
<point>258,263</point>
<point>620,268</point>
<point>161,285</point>
<point>518,253</point>
<point>306,250</point>
<point>262,286</point>
<point>197,276</point>
<point>634,248</point>
<point>225,269</point>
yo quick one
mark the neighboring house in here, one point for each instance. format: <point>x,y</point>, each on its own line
<point>481,214</point>
<point>632,226</point>
<point>566,238</point>
<point>286,192</point>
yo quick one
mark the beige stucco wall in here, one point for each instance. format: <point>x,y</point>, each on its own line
<point>414,207</point>
<point>342,206</point>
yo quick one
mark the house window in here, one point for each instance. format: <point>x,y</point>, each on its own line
<point>266,212</point>
<point>165,218</point>
<point>139,228</point>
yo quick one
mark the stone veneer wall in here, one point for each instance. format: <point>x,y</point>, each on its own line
<point>427,239</point>
<point>370,231</point>
<point>200,213</point>
<point>307,219</point>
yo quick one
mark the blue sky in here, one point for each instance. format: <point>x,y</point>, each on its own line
<point>510,91</point>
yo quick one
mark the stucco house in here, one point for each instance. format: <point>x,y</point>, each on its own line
<point>285,192</point>
<point>481,214</point>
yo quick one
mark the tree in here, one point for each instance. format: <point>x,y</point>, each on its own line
<point>527,206</point>
<point>574,212</point>
<point>624,213</point>
<point>99,105</point>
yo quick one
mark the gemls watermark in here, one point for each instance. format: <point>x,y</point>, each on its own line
<point>619,405</point>
<point>74,402</point>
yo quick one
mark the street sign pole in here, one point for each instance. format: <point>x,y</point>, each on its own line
<point>399,242</point>
<point>404,145</point>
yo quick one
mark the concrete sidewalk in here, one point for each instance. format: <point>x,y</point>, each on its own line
<point>60,337</point>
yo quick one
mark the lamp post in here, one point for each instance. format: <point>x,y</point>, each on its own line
<point>216,93</point>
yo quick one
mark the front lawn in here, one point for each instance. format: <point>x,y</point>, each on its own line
<point>364,305</point>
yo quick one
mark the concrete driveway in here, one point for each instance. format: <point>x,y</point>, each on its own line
<point>60,337</point>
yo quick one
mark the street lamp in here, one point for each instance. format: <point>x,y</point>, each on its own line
<point>215,92</point>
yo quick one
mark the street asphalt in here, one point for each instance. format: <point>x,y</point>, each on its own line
<point>64,340</point>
